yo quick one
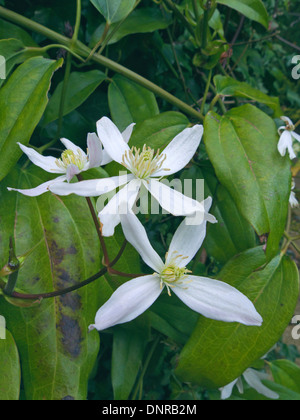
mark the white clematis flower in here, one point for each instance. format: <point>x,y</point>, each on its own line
<point>253,379</point>
<point>72,162</point>
<point>287,134</point>
<point>293,200</point>
<point>146,167</point>
<point>211,298</point>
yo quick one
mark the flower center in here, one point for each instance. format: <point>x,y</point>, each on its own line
<point>290,127</point>
<point>68,157</point>
<point>143,163</point>
<point>172,273</point>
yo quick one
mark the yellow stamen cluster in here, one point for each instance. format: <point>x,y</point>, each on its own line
<point>143,163</point>
<point>289,127</point>
<point>173,274</point>
<point>69,157</point>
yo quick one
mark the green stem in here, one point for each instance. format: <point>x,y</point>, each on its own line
<point>296,247</point>
<point>100,42</point>
<point>205,28</point>
<point>180,16</point>
<point>297,123</point>
<point>145,367</point>
<point>214,101</point>
<point>63,96</point>
<point>68,70</point>
<point>196,10</point>
<point>48,47</point>
<point>206,92</point>
<point>84,51</point>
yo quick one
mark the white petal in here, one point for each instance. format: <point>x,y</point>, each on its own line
<point>176,203</point>
<point>95,150</point>
<point>296,136</point>
<point>91,188</point>
<point>126,136</point>
<point>40,189</point>
<point>72,170</point>
<point>181,150</point>
<point>124,199</point>
<point>128,302</point>
<point>128,132</point>
<point>71,146</point>
<point>253,379</point>
<point>240,385</point>
<point>112,139</point>
<point>188,239</point>
<point>105,158</point>
<point>286,142</point>
<point>135,233</point>
<point>217,300</point>
<point>45,162</point>
<point>226,391</point>
<point>287,119</point>
<point>293,200</point>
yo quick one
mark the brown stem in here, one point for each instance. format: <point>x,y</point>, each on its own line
<point>119,254</point>
<point>77,286</point>
<point>97,225</point>
<point>120,273</point>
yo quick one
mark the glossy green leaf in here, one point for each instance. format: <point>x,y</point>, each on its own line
<point>9,30</point>
<point>285,394</point>
<point>227,86</point>
<point>218,352</point>
<point>252,9</point>
<point>129,344</point>
<point>286,373</point>
<point>144,20</point>
<point>242,146</point>
<point>23,100</point>
<point>129,102</point>
<point>10,371</point>
<point>232,234</point>
<point>114,10</point>
<point>171,317</point>
<point>159,131</point>
<point>80,87</point>
<point>56,350</point>
<point>14,52</point>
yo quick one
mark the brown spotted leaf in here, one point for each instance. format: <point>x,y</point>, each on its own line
<point>57,353</point>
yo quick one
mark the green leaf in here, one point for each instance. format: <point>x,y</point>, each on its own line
<point>9,30</point>
<point>242,146</point>
<point>56,350</point>
<point>252,9</point>
<point>173,318</point>
<point>286,373</point>
<point>284,393</point>
<point>158,131</point>
<point>227,86</point>
<point>10,371</point>
<point>23,100</point>
<point>144,20</point>
<point>80,87</point>
<point>232,234</point>
<point>129,102</point>
<point>113,10</point>
<point>217,352</point>
<point>129,344</point>
<point>14,52</point>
